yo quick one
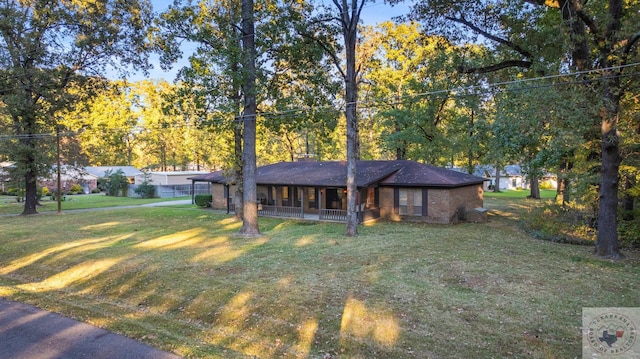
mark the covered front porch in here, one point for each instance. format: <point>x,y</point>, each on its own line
<point>313,203</point>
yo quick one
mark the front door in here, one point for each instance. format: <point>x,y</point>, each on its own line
<point>333,199</point>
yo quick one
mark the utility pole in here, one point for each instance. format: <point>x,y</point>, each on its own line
<point>59,193</point>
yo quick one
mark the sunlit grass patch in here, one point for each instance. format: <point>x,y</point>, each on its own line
<point>183,281</point>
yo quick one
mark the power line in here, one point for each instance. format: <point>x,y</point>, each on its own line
<point>459,92</point>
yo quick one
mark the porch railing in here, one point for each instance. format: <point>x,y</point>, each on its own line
<point>280,211</point>
<point>333,215</point>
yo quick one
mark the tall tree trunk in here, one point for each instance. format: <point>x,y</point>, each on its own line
<point>470,152</point>
<point>28,160</point>
<point>250,205</point>
<point>31,192</point>
<point>350,17</point>
<point>496,187</point>
<point>238,200</point>
<point>401,150</point>
<point>534,187</point>
<point>562,189</point>
<point>607,245</point>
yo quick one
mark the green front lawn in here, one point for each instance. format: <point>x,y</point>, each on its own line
<point>9,205</point>
<point>544,193</point>
<point>181,280</point>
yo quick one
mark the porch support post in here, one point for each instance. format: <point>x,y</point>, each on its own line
<point>320,204</point>
<point>193,191</point>
<point>226,196</point>
<point>358,212</point>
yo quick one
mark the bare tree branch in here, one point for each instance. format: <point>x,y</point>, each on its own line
<point>327,49</point>
<point>489,36</point>
<point>495,67</point>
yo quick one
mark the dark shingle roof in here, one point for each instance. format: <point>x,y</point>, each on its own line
<point>334,174</point>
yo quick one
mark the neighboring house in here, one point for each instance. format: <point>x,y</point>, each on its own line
<point>392,190</point>
<point>168,178</point>
<point>70,175</point>
<point>5,177</point>
<point>101,171</point>
<point>511,177</point>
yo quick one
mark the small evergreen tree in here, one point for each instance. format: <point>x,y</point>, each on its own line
<point>146,189</point>
<point>116,183</point>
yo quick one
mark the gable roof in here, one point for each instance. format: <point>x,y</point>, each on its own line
<point>399,173</point>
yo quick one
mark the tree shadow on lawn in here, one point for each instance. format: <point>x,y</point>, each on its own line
<point>304,291</point>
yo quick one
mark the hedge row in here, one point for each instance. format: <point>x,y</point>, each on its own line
<point>203,200</point>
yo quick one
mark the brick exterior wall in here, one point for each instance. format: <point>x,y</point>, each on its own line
<point>218,201</point>
<point>444,206</point>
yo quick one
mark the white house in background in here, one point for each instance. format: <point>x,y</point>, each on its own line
<point>511,177</point>
<point>101,171</point>
<point>5,167</point>
<point>167,178</point>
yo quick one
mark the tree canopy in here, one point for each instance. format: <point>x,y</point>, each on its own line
<point>48,48</point>
<point>549,85</point>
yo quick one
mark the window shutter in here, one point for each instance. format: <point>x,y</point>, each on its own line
<point>425,202</point>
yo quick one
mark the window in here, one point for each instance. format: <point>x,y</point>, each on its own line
<point>417,202</point>
<point>285,196</point>
<point>312,197</point>
<point>402,201</point>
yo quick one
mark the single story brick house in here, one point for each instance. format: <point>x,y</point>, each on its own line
<point>397,190</point>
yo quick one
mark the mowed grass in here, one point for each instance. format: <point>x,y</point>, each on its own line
<point>9,205</point>
<point>544,194</point>
<point>183,281</point>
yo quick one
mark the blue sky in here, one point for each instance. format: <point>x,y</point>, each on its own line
<point>373,13</point>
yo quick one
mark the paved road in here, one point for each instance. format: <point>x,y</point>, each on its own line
<point>27,332</point>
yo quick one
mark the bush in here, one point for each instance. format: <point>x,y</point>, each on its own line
<point>629,229</point>
<point>203,200</point>
<point>563,225</point>
<point>95,190</point>
<point>545,185</point>
<point>145,190</point>
<point>76,188</point>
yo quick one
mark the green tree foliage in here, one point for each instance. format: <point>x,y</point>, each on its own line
<point>219,75</point>
<point>47,48</point>
<point>547,36</point>
<point>146,189</point>
<point>341,20</point>
<point>116,184</point>
<point>107,125</point>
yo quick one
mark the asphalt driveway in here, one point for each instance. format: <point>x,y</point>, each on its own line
<point>27,332</point>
